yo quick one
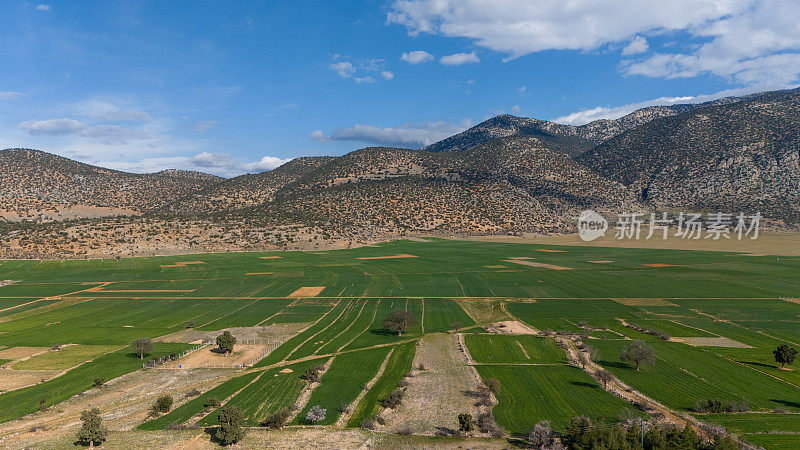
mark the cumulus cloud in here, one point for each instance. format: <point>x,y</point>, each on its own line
<point>10,95</point>
<point>747,42</point>
<point>758,45</point>
<point>404,135</point>
<point>636,46</point>
<point>222,164</point>
<point>42,7</point>
<point>109,134</point>
<point>101,109</point>
<point>457,59</point>
<point>416,57</point>
<point>387,75</point>
<point>345,69</point>
<point>615,112</point>
<point>364,80</point>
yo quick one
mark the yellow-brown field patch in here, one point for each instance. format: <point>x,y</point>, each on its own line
<point>601,262</point>
<point>643,302</point>
<point>270,257</point>
<point>307,291</point>
<point>711,342</point>
<point>547,250</point>
<point>661,265</point>
<point>183,264</point>
<point>537,264</point>
<point>259,273</point>
<point>389,257</point>
<point>14,353</point>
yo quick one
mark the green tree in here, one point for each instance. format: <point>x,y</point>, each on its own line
<point>142,346</point>
<point>604,376</point>
<point>784,355</point>
<point>230,430</point>
<point>92,431</point>
<point>226,341</point>
<point>399,321</point>
<point>638,353</point>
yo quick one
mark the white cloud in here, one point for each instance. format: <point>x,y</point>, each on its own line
<point>105,110</point>
<point>519,27</point>
<point>615,112</point>
<point>42,7</point>
<point>417,57</point>
<point>457,59</point>
<point>404,135</point>
<point>387,75</point>
<point>364,80</point>
<point>747,42</point>
<point>205,125</point>
<point>516,109</point>
<point>10,95</point>
<point>760,45</point>
<point>636,46</point>
<point>109,134</point>
<point>345,69</point>
<point>222,164</point>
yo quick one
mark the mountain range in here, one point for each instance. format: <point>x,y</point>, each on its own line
<point>506,175</point>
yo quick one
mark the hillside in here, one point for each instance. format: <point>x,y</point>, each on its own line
<point>737,156</point>
<point>245,190</point>
<point>40,186</point>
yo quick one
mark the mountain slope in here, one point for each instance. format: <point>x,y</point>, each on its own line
<point>737,156</point>
<point>39,186</point>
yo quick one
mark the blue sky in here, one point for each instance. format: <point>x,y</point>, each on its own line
<point>231,87</point>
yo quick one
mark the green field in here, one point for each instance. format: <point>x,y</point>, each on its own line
<point>101,305</point>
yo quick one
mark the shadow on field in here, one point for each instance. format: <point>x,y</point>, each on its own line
<point>615,364</point>
<point>585,384</point>
<point>788,403</point>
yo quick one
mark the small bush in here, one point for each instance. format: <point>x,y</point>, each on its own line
<point>316,414</point>
<point>98,382</point>
<point>212,403</point>
<point>163,404</point>
<point>277,420</point>
<point>405,431</point>
<point>42,404</point>
<point>193,393</point>
<point>394,398</point>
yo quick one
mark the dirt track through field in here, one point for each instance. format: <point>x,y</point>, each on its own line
<point>388,257</point>
<point>536,264</point>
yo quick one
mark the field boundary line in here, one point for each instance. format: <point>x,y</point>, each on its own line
<point>422,319</point>
<point>226,315</point>
<point>305,394</point>
<point>345,416</point>
<point>345,330</point>
<point>320,331</point>
<point>225,402</point>
<point>374,314</point>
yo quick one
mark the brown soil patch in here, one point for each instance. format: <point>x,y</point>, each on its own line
<point>286,370</point>
<point>711,342</point>
<point>389,257</point>
<point>204,358</point>
<point>270,257</point>
<point>601,262</point>
<point>260,273</point>
<point>546,250</point>
<point>496,266</point>
<point>791,299</point>
<point>183,264</point>
<point>21,352</point>
<point>643,301</point>
<point>308,291</point>
<point>11,379</point>
<point>537,264</point>
<point>772,243</point>
<point>435,397</point>
<point>510,327</point>
<point>661,265</point>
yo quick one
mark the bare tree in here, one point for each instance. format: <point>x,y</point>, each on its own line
<point>638,353</point>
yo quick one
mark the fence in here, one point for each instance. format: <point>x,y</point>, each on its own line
<point>155,362</point>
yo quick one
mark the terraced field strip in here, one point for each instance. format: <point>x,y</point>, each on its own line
<point>343,381</point>
<point>335,329</point>
<point>275,390</point>
<point>403,256</point>
<point>513,349</point>
<point>399,364</point>
<point>529,394</point>
<point>285,350</point>
<point>440,314</point>
<point>195,406</point>
<point>109,366</point>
